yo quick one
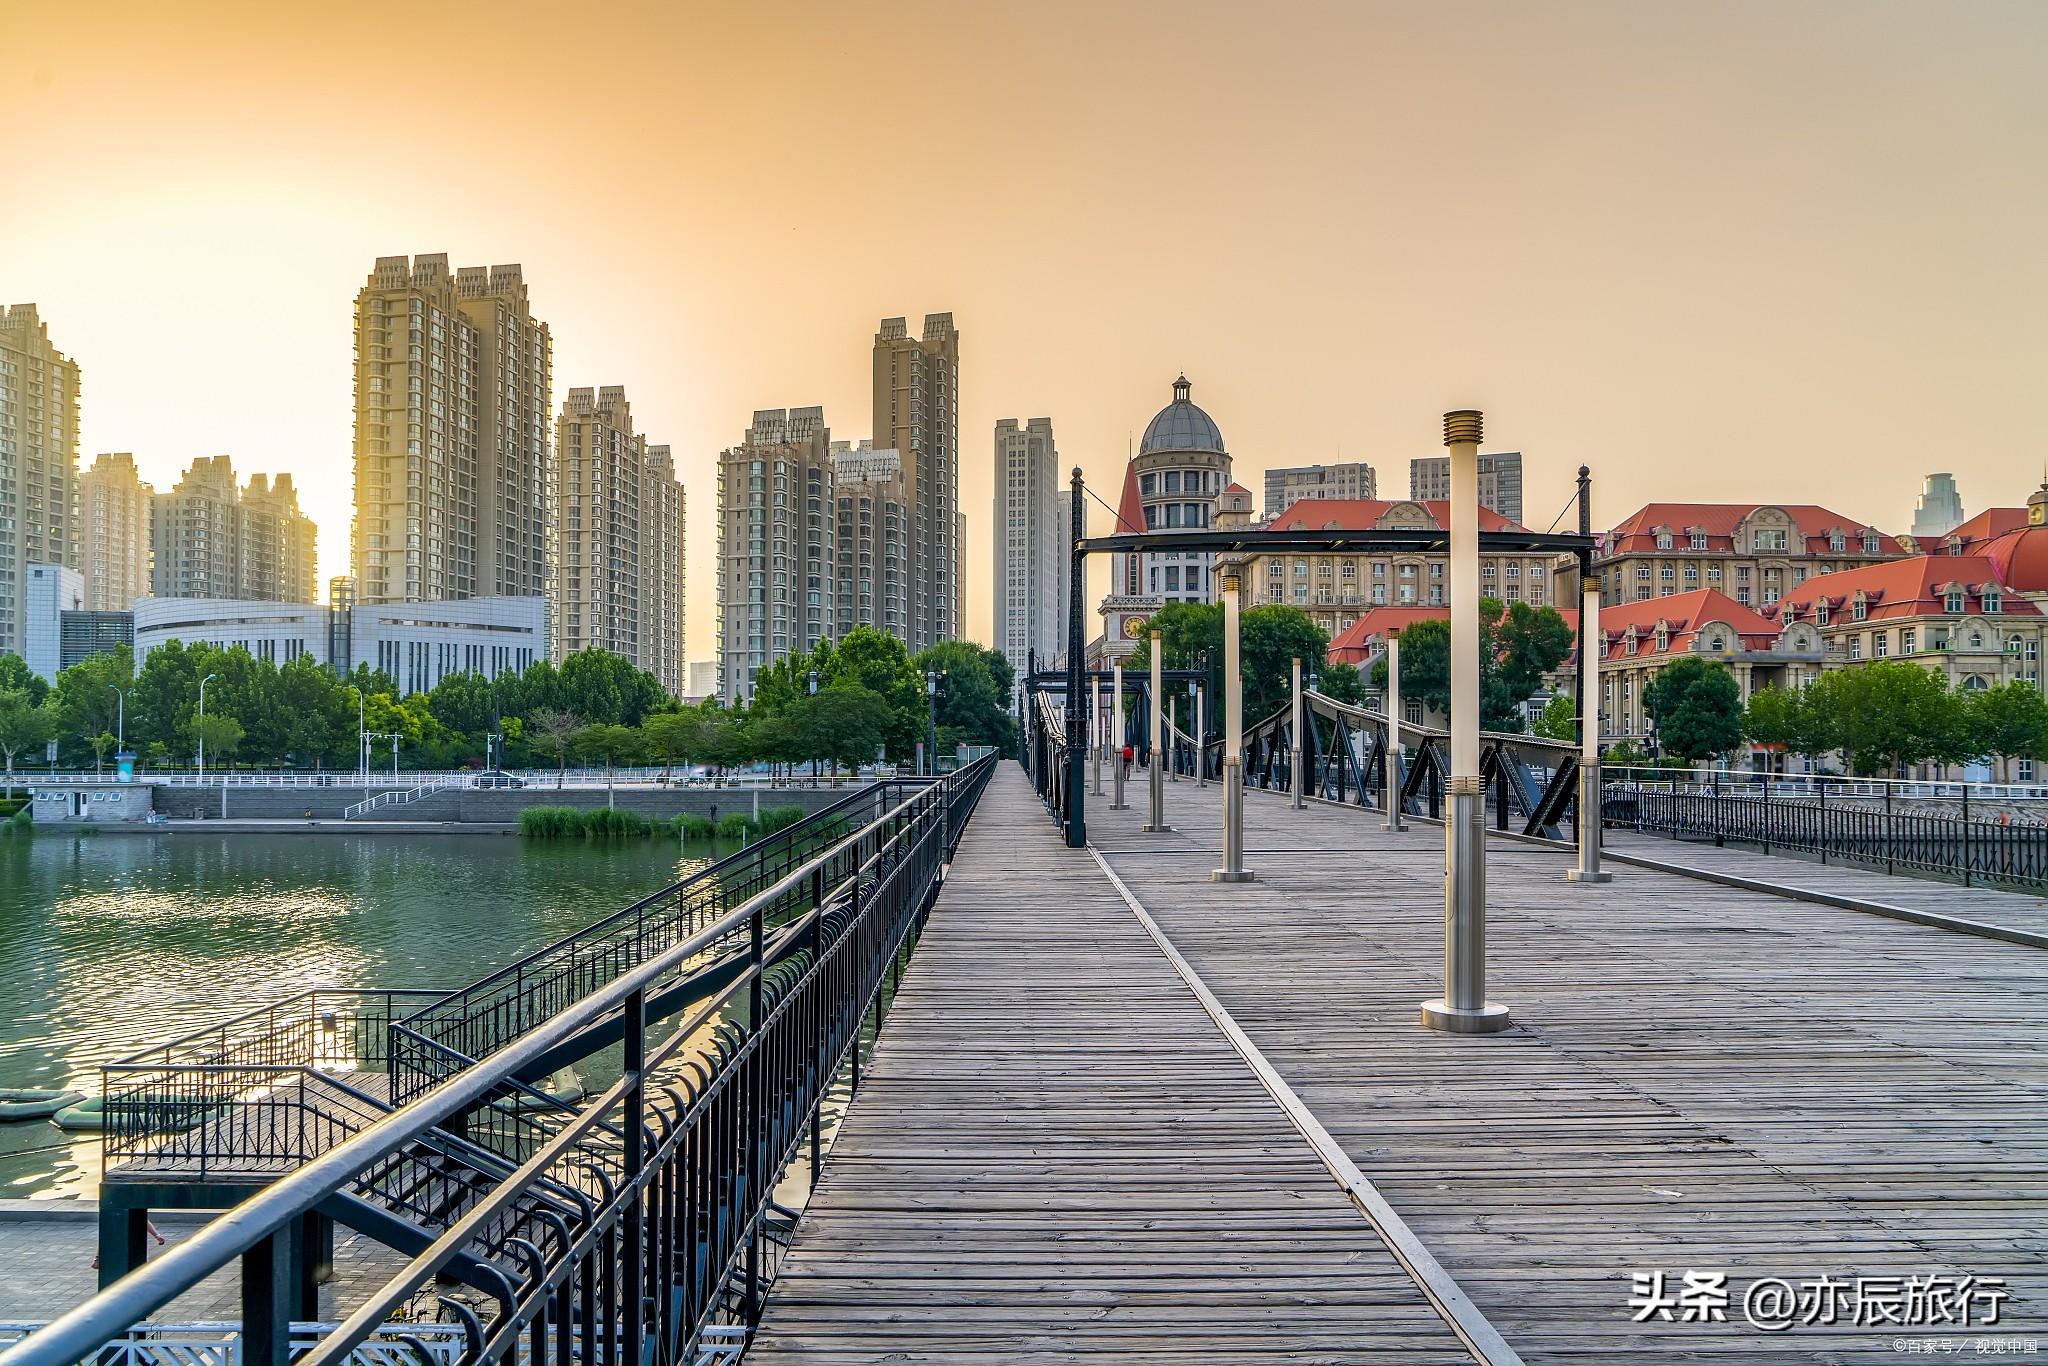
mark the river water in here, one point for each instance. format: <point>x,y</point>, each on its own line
<point>111,943</point>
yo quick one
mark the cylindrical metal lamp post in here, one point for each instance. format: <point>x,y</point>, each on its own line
<point>1233,869</point>
<point>1077,655</point>
<point>1173,728</point>
<point>1095,729</point>
<point>1201,736</point>
<point>1463,1008</point>
<point>1393,823</point>
<point>1294,768</point>
<point>1156,776</point>
<point>1116,737</point>
<point>1591,647</point>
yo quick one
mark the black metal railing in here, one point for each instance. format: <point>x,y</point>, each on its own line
<point>1867,832</point>
<point>642,1222</point>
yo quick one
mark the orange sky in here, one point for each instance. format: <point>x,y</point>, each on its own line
<point>1776,251</point>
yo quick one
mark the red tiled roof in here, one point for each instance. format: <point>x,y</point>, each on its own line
<point>1719,521</point>
<point>1912,587</point>
<point>1986,525</point>
<point>1130,509</point>
<point>1358,642</point>
<point>1684,616</point>
<point>1364,514</point>
<point>2020,558</point>
<point>1237,488</point>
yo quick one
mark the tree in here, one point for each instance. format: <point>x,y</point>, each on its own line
<point>1530,641</point>
<point>1625,753</point>
<point>672,735</point>
<point>2008,722</point>
<point>16,674</point>
<point>1425,665</point>
<point>1341,683</point>
<point>609,744</point>
<point>24,724</point>
<point>1558,720</point>
<point>102,745</point>
<point>1698,707</point>
<point>1889,713</point>
<point>845,724</point>
<point>1790,719</point>
<point>1518,645</point>
<point>552,731</point>
<point>972,707</point>
<point>219,735</point>
<point>879,662</point>
<point>84,695</point>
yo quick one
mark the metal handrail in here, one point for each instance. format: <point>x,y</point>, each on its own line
<point>82,1330</point>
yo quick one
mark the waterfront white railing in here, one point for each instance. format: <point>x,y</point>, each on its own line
<point>410,778</point>
<point>220,1344</point>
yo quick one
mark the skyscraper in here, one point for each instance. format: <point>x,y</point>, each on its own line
<point>775,544</point>
<point>664,514</point>
<point>452,454</point>
<point>917,395</point>
<point>872,556</point>
<point>1500,482</point>
<point>113,532</point>
<point>600,466</point>
<point>1351,480</point>
<point>38,461</point>
<point>1941,507</point>
<point>210,540</point>
<point>273,549</point>
<point>1031,544</point>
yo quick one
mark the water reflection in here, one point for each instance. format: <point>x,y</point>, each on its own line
<point>111,943</point>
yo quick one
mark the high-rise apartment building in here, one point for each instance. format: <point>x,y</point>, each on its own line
<point>872,541</point>
<point>1032,555</point>
<point>775,544</point>
<point>664,514</point>
<point>1351,480</point>
<point>209,539</point>
<point>452,456</point>
<point>113,532</point>
<point>38,461</point>
<point>273,546</point>
<point>917,397</point>
<point>1500,482</point>
<point>192,531</point>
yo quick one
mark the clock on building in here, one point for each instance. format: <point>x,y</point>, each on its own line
<point>1134,628</point>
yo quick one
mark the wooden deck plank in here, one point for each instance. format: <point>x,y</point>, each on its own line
<point>1056,1156</point>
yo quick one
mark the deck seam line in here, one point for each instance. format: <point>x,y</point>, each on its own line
<point>1438,1286</point>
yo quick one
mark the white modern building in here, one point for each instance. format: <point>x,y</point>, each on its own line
<point>1940,510</point>
<point>417,643</point>
<point>52,590</point>
<point>1032,555</point>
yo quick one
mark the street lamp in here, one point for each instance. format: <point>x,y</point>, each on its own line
<point>120,718</point>
<point>931,698</point>
<point>202,726</point>
<point>814,758</point>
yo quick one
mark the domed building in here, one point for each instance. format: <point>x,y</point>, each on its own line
<point>1172,483</point>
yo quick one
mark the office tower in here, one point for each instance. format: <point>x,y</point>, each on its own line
<point>113,533</point>
<point>1500,482</point>
<point>775,544</point>
<point>872,560</point>
<point>53,590</point>
<point>663,514</point>
<point>917,394</point>
<point>1941,507</point>
<point>38,461</point>
<point>600,464</point>
<point>1351,480</point>
<point>1032,558</point>
<point>193,529</point>
<point>273,544</point>
<point>703,680</point>
<point>452,452</point>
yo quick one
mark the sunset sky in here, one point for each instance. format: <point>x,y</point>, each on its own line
<point>1746,252</point>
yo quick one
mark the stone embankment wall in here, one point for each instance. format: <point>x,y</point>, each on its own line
<point>482,806</point>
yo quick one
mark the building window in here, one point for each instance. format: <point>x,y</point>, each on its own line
<point>1884,641</point>
<point>1907,637</point>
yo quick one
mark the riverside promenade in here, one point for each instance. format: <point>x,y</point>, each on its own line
<point>1123,1111</point>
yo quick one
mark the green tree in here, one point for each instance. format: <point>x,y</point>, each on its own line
<point>1625,753</point>
<point>1791,719</point>
<point>1698,707</point>
<point>1518,645</point>
<point>1558,720</point>
<point>1341,683</point>
<point>2008,722</point>
<point>974,708</point>
<point>1529,641</point>
<point>16,674</point>
<point>25,725</point>
<point>672,736</point>
<point>845,725</point>
<point>222,737</point>
<point>720,741</point>
<point>1425,665</point>
<point>87,704</point>
<point>1889,713</point>
<point>606,689</point>
<point>610,744</point>
<point>552,731</point>
<point>879,662</point>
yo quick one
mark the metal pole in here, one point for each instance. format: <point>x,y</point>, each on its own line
<point>1095,729</point>
<point>1591,645</point>
<point>1077,654</point>
<point>1295,769</point>
<point>1463,1008</point>
<point>1156,779</point>
<point>1233,869</point>
<point>1201,736</point>
<point>1116,737</point>
<point>1393,823</point>
<point>1173,727</point>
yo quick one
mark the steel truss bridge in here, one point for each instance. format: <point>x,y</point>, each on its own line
<point>638,1224</point>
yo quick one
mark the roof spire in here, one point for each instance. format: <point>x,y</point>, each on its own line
<point>1181,388</point>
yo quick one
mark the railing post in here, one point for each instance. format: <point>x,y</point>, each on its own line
<point>1116,737</point>
<point>267,1301</point>
<point>1393,823</point>
<point>1966,834</point>
<point>1077,654</point>
<point>1233,869</point>
<point>1295,770</point>
<point>1156,775</point>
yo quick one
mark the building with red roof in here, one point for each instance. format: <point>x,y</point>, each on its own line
<point>1752,552</point>
<point>1641,639</point>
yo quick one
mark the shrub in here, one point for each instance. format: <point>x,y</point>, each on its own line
<point>778,818</point>
<point>695,827</point>
<point>550,822</point>
<point>607,823</point>
<point>734,825</point>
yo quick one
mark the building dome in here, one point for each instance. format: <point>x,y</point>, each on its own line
<point>1181,426</point>
<point>2020,559</point>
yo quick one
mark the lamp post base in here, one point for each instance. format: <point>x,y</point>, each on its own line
<point>1233,875</point>
<point>1395,826</point>
<point>1156,829</point>
<point>1487,1019</point>
<point>1584,875</point>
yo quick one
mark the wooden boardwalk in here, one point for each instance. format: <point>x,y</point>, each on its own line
<point>1059,1159</point>
<point>1057,1156</point>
